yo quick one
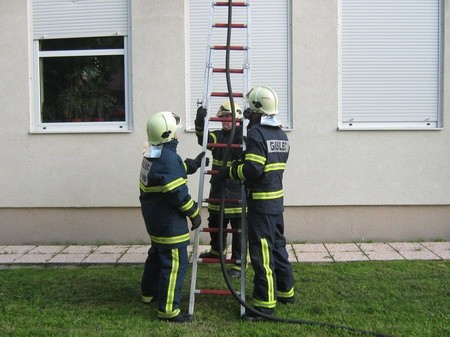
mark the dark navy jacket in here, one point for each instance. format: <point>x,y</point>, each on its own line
<point>233,188</point>
<point>165,199</point>
<point>264,161</point>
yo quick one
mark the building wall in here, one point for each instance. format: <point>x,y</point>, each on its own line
<point>339,185</point>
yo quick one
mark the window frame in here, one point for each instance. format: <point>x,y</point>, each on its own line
<point>36,123</point>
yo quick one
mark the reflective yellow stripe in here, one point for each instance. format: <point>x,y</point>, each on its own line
<point>271,302</point>
<point>167,240</point>
<point>240,172</point>
<point>228,210</point>
<point>217,162</point>
<point>265,304</point>
<point>256,158</point>
<point>213,136</point>
<point>173,185</point>
<point>172,281</point>
<point>274,167</point>
<point>267,195</point>
<point>193,215</point>
<point>187,206</point>
<point>172,314</point>
<point>286,294</point>
<point>150,189</point>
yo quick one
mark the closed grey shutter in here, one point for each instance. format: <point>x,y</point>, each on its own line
<point>390,64</point>
<point>79,18</point>
<point>269,58</point>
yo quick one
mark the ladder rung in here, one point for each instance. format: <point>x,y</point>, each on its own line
<point>225,94</point>
<point>217,260</point>
<point>224,119</point>
<point>225,230</point>
<point>219,145</point>
<point>233,25</point>
<point>234,4</point>
<point>233,71</point>
<point>220,47</point>
<point>213,291</point>
<point>217,201</point>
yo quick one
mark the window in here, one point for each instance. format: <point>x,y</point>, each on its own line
<point>390,64</point>
<point>80,68</point>
<point>269,58</point>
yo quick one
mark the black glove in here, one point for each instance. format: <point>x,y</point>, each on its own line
<point>196,222</point>
<point>200,117</point>
<point>224,173</point>
<point>193,164</point>
<point>247,113</point>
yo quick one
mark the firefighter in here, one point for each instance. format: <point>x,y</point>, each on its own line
<point>233,188</point>
<point>165,204</point>
<point>261,169</point>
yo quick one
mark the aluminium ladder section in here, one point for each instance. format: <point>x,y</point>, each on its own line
<point>208,96</point>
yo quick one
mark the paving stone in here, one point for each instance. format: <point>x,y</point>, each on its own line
<point>439,246</point>
<point>67,259</point>
<point>138,249</point>
<point>313,257</point>
<point>384,255</point>
<point>132,259</point>
<point>101,258</point>
<point>444,254</point>
<point>291,253</point>
<point>423,254</point>
<point>9,258</point>
<point>46,250</point>
<point>17,249</point>
<point>79,249</point>
<point>344,256</point>
<point>405,246</point>
<point>342,247</point>
<point>111,249</point>
<point>371,247</point>
<point>33,259</point>
<point>441,249</point>
<point>309,248</point>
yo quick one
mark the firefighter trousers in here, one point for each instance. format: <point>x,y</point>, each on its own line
<point>163,278</point>
<point>236,223</point>
<point>273,271</point>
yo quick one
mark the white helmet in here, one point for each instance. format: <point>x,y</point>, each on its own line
<point>161,127</point>
<point>225,109</point>
<point>263,100</point>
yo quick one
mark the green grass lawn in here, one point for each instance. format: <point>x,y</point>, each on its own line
<point>402,298</point>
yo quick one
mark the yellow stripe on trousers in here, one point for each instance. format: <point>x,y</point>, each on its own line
<point>172,280</point>
<point>269,273</point>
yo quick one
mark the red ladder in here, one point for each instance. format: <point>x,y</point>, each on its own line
<point>218,15</point>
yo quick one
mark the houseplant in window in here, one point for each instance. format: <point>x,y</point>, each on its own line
<point>72,103</point>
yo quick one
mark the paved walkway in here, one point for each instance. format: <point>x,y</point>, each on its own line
<point>85,255</point>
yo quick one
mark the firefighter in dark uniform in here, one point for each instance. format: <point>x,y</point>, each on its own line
<point>233,188</point>
<point>165,204</point>
<point>261,168</point>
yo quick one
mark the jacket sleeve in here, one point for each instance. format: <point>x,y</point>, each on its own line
<point>254,158</point>
<point>175,189</point>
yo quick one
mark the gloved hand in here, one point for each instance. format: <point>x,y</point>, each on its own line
<point>224,173</point>
<point>196,222</point>
<point>193,164</point>
<point>247,113</point>
<point>200,117</point>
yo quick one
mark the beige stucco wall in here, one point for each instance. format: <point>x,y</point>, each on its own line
<point>83,187</point>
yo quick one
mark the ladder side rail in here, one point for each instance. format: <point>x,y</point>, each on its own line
<point>205,104</point>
